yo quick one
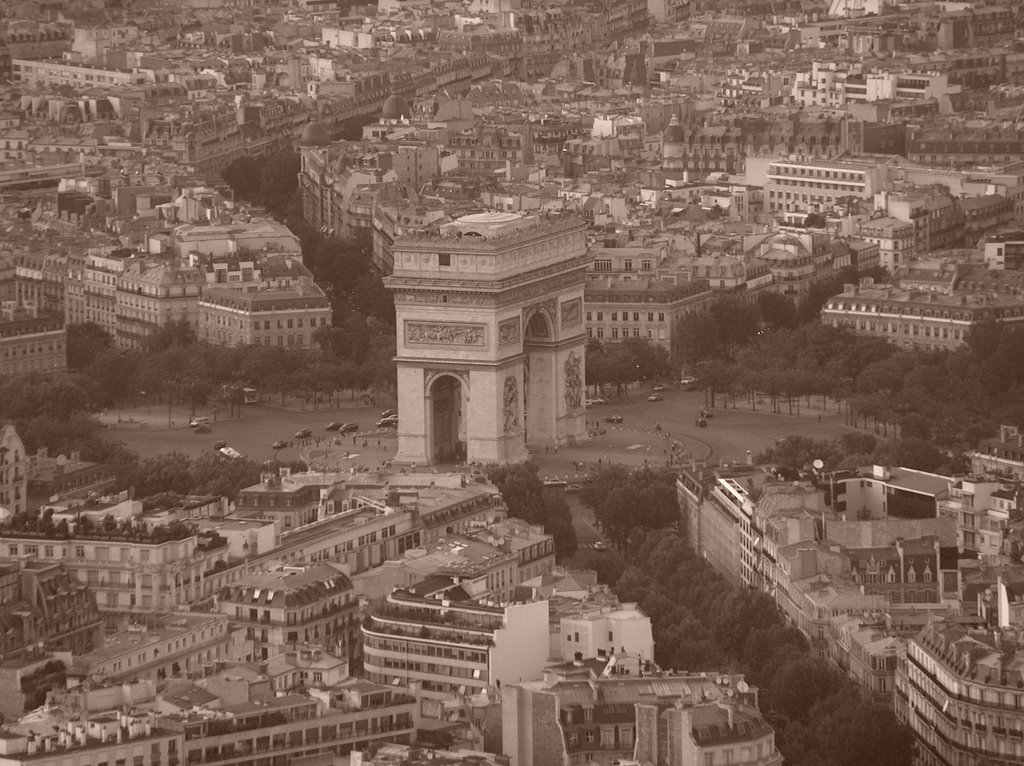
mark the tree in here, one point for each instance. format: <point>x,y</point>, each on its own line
<point>279,180</point>
<point>625,501</point>
<point>85,341</point>
<point>244,176</point>
<point>527,499</point>
<point>177,332</point>
<point>777,310</point>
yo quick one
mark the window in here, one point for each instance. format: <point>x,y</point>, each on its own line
<point>12,550</point>
<point>444,259</point>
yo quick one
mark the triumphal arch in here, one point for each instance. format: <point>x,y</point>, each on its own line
<point>490,337</point>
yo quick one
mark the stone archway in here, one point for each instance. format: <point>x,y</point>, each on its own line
<point>539,376</point>
<point>446,431</point>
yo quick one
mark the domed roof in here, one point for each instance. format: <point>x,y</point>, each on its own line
<point>395,108</point>
<point>314,134</point>
<point>674,132</point>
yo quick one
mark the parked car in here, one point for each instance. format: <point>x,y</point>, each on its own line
<point>707,414</point>
<point>389,413</point>
<point>655,398</point>
<point>303,433</point>
<point>347,428</point>
<point>279,444</point>
<point>688,383</point>
<point>230,452</point>
<point>595,401</point>
<point>333,426</point>
<point>613,419</point>
<point>600,546</point>
<point>203,429</point>
<point>388,421</point>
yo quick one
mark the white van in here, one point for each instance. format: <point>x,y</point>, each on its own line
<point>200,421</point>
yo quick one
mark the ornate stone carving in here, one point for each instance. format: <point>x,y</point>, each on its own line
<point>508,331</point>
<point>454,299</point>
<point>437,334</point>
<point>511,401</point>
<point>572,312</point>
<point>573,383</point>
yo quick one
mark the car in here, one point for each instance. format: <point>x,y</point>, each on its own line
<point>388,414</point>
<point>661,388</point>
<point>707,414</point>
<point>655,398</point>
<point>556,484</point>
<point>613,419</point>
<point>203,429</point>
<point>279,444</point>
<point>348,428</point>
<point>595,401</point>
<point>303,433</point>
<point>600,545</point>
<point>335,426</point>
<point>688,383</point>
<point>702,423</point>
<point>388,421</point>
<point>220,445</point>
<point>199,421</point>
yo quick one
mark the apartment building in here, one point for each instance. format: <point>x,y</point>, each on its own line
<point>92,740</point>
<point>296,728</point>
<point>796,188</point>
<point>960,692</point>
<point>288,317</point>
<point>730,732</point>
<point>1001,455</point>
<point>99,286</point>
<point>867,651</point>
<point>30,340</point>
<point>62,477</point>
<point>288,607</point>
<point>50,73</point>
<point>42,604</point>
<point>13,473</point>
<point>578,714</point>
<point>365,519</point>
<point>128,572</point>
<point>642,307</point>
<point>150,295</point>
<point>982,512</point>
<point>603,631</point>
<point>896,240</point>
<point>937,217</point>
<point>453,647</point>
<point>161,646</point>
<point>911,318</point>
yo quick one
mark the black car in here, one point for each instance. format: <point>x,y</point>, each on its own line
<point>279,444</point>
<point>348,428</point>
<point>304,433</point>
<point>388,421</point>
<point>702,423</point>
<point>613,419</point>
<point>335,426</point>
